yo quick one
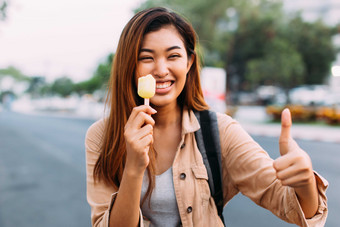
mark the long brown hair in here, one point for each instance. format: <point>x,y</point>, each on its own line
<point>122,94</point>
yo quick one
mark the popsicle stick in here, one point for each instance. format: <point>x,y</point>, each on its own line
<point>147,102</point>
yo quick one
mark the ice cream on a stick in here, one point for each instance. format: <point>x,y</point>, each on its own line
<point>146,87</point>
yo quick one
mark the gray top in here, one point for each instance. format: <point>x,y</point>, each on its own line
<point>164,210</point>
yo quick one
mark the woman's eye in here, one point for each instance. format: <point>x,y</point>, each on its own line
<point>174,56</point>
<point>145,58</point>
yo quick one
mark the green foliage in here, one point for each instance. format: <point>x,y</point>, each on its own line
<point>88,86</point>
<point>99,80</point>
<point>37,84</point>
<point>249,42</point>
<point>282,65</point>
<point>313,42</point>
<point>13,72</point>
<point>3,9</point>
<point>62,86</point>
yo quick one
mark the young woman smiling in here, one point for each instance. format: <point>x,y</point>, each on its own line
<point>143,164</point>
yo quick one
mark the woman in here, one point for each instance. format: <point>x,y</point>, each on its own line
<point>143,164</point>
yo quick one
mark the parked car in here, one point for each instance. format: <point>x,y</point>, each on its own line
<point>310,95</point>
<point>269,94</point>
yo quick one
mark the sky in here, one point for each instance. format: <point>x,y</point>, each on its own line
<point>62,38</point>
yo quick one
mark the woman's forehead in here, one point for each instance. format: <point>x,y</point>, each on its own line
<point>165,36</point>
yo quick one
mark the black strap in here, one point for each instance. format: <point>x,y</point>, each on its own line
<point>211,153</point>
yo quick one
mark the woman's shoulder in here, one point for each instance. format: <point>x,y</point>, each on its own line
<point>96,128</point>
<point>230,130</point>
<point>224,120</point>
<point>95,133</point>
<point>228,126</point>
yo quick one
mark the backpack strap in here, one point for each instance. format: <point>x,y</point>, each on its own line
<point>208,142</point>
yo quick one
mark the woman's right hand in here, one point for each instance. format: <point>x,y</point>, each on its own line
<point>138,134</point>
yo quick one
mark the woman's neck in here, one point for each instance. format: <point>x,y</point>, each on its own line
<point>168,116</point>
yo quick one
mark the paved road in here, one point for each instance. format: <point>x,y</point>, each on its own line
<point>42,175</point>
<point>42,171</point>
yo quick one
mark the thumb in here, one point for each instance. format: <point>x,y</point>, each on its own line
<point>285,137</point>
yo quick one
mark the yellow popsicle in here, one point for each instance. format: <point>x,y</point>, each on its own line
<point>146,86</point>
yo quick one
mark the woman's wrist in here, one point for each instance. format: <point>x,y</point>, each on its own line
<point>308,198</point>
<point>132,172</point>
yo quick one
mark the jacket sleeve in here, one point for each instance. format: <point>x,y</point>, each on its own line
<point>100,196</point>
<point>247,168</point>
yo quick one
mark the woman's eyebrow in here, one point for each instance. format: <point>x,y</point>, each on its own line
<point>173,47</point>
<point>152,51</point>
<point>146,50</point>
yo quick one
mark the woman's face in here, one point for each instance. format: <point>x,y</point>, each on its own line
<point>163,55</point>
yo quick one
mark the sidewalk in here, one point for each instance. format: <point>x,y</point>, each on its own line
<point>84,108</point>
<point>255,121</point>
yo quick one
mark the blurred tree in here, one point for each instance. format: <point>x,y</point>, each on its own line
<point>99,80</point>
<point>62,86</point>
<point>281,65</point>
<point>256,29</point>
<point>314,42</point>
<point>3,9</point>
<point>13,72</point>
<point>45,90</point>
<point>36,84</point>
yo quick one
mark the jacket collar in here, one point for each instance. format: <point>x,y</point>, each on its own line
<point>189,122</point>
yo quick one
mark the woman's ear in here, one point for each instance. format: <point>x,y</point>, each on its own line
<point>191,59</point>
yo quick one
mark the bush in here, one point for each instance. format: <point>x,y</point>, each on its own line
<point>329,114</point>
<point>299,113</point>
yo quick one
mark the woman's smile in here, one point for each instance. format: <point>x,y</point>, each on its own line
<point>163,87</point>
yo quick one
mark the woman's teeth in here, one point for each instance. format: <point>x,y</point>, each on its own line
<point>163,85</point>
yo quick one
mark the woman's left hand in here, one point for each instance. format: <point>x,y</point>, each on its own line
<point>294,168</point>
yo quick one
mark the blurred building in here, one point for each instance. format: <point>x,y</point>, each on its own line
<point>213,82</point>
<point>311,10</point>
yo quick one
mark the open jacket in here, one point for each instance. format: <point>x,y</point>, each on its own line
<point>246,168</point>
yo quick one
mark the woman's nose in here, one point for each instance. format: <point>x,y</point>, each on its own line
<point>161,68</point>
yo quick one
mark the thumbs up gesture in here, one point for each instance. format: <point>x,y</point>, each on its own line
<point>294,168</point>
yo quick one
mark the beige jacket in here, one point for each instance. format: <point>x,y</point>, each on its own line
<point>246,168</point>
